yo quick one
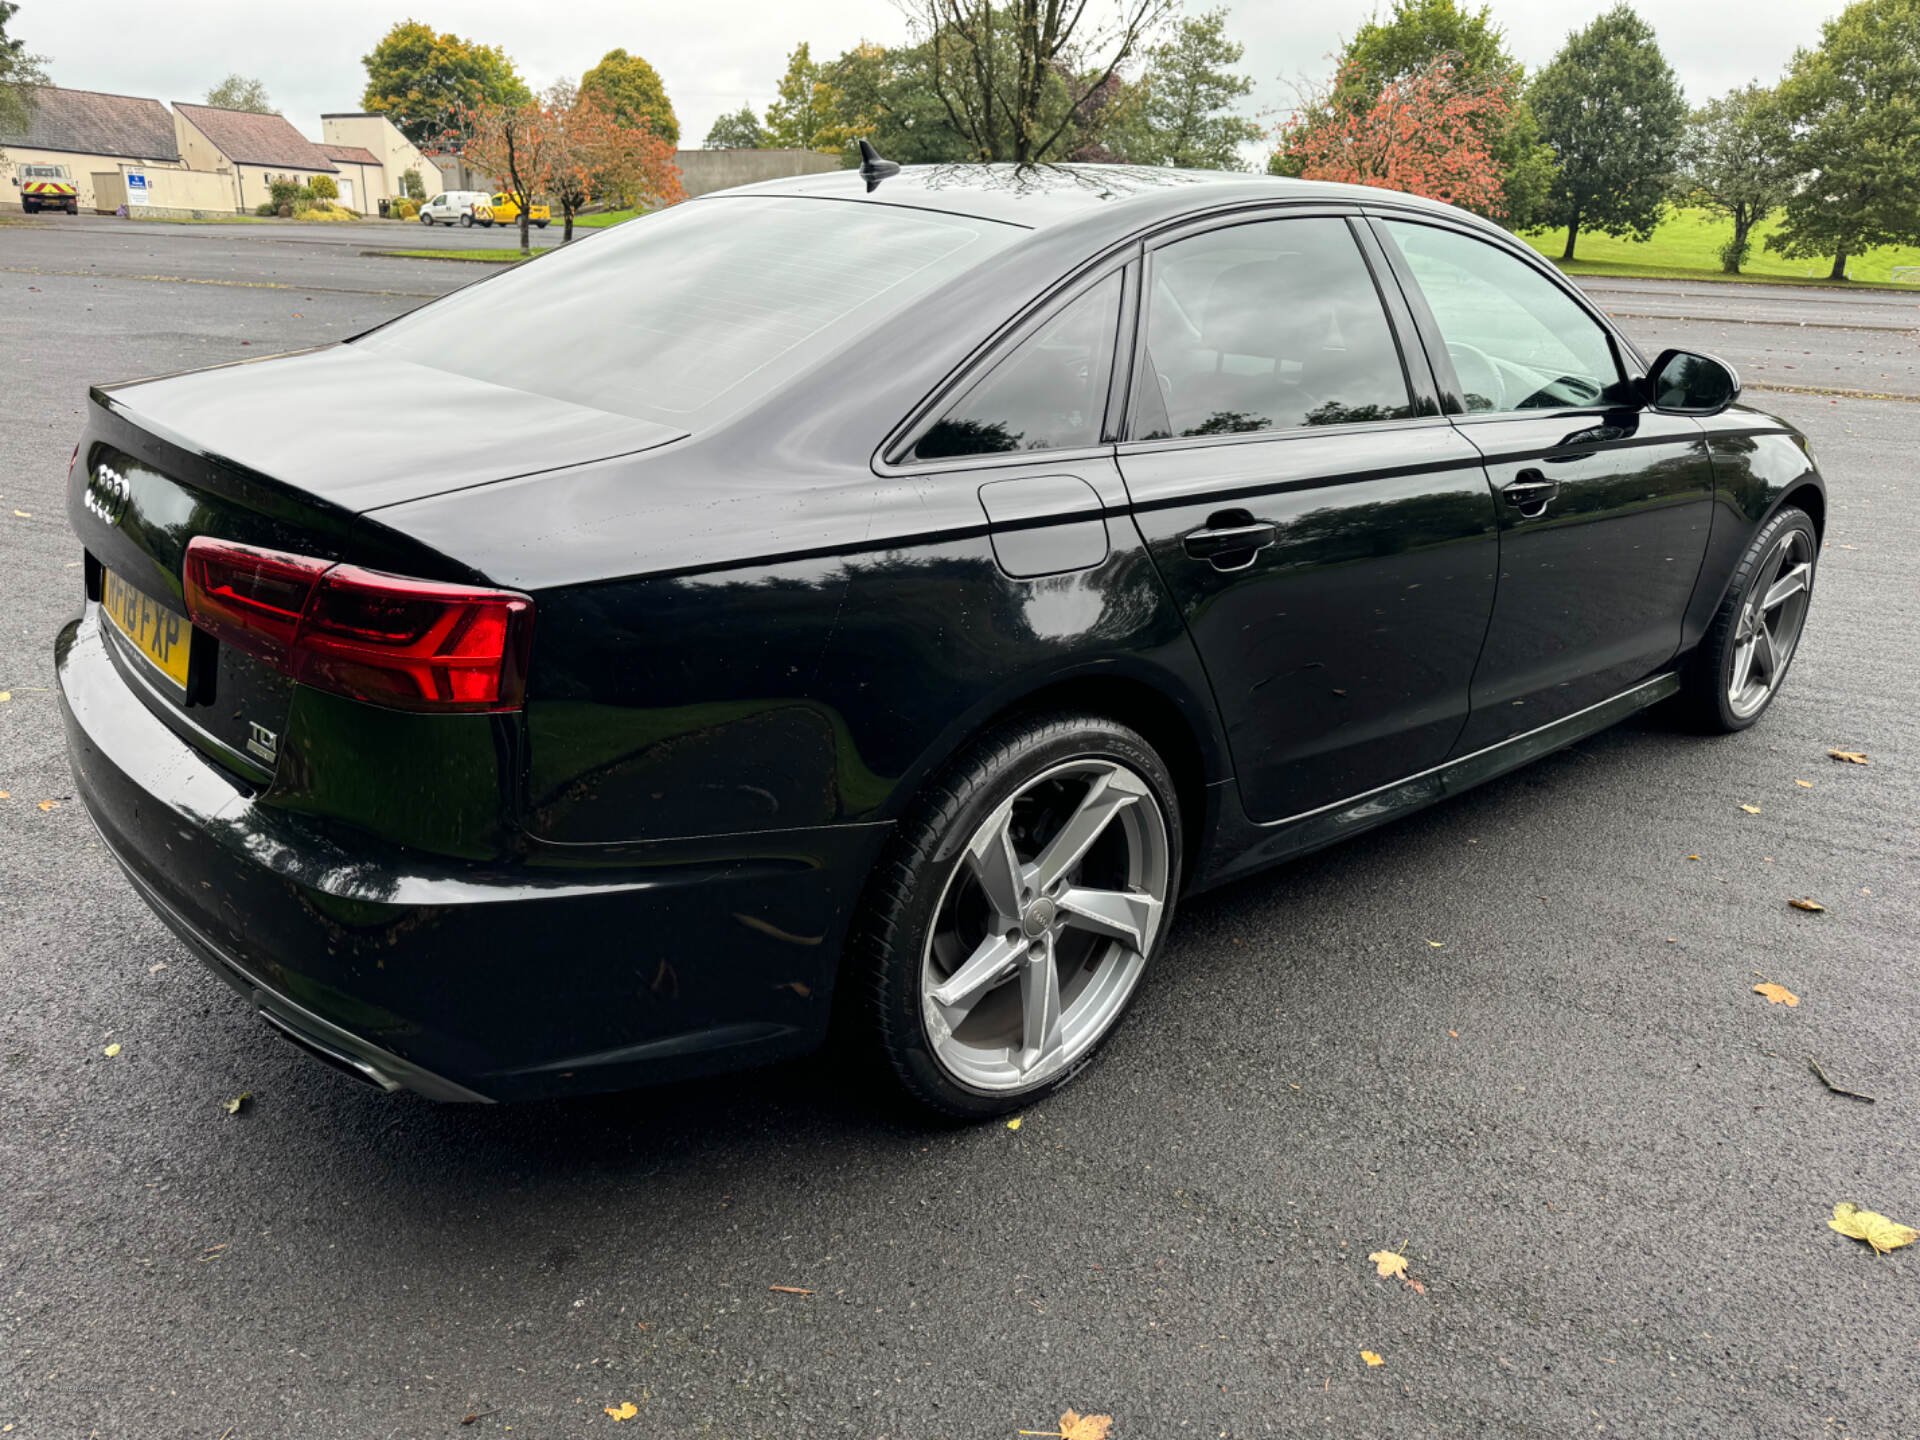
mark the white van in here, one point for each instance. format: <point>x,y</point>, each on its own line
<point>462,207</point>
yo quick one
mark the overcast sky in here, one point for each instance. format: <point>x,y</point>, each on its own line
<point>716,55</point>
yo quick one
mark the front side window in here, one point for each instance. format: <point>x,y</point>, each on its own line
<point>1273,325</point>
<point>1517,341</point>
<point>1049,394</point>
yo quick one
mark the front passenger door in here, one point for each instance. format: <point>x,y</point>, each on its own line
<point>1604,504</point>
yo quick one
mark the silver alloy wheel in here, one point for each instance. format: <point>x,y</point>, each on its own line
<point>1043,929</point>
<point>1770,623</point>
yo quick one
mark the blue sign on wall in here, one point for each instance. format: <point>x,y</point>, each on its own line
<point>136,184</point>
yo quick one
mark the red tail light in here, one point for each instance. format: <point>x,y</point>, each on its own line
<point>386,639</point>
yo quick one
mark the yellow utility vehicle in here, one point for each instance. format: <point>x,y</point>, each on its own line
<point>503,209</point>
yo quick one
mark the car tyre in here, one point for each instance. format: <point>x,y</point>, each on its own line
<point>1008,925</point>
<point>466,221</point>
<point>541,224</point>
<point>1742,660</point>
<point>427,220</point>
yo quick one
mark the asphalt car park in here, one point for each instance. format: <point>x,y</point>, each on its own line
<point>1513,1038</point>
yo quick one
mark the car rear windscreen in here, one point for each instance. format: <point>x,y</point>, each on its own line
<point>690,314</point>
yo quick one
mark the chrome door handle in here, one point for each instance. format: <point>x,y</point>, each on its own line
<point>1231,547</point>
<point>1530,492</point>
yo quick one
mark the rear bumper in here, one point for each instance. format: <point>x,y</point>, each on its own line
<point>569,970</point>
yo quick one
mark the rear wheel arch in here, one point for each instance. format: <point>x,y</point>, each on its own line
<point>1194,758</point>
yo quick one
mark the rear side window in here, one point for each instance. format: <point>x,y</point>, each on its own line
<point>1049,394</point>
<point>1267,326</point>
<point>1516,339</point>
<point>695,312</point>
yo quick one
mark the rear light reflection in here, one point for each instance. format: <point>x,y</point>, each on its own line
<point>386,639</point>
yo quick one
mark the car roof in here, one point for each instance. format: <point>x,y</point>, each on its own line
<point>1042,196</point>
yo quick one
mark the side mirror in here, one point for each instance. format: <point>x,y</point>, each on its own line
<point>1682,382</point>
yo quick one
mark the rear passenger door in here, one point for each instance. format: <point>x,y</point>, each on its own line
<point>1604,505</point>
<point>1328,535</point>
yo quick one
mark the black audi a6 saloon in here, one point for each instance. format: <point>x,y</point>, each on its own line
<point>887,592</point>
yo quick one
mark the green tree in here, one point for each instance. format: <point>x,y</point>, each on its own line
<point>19,73</point>
<point>738,131</point>
<point>425,81</point>
<point>1852,104</point>
<point>1419,34</point>
<point>1612,111</point>
<point>882,94</point>
<point>1184,101</point>
<point>1737,159</point>
<point>241,92</point>
<point>630,90</point>
<point>807,116</point>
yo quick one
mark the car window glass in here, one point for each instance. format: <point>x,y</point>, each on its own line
<point>1517,340</point>
<point>1049,394</point>
<point>694,312</point>
<point>1267,326</point>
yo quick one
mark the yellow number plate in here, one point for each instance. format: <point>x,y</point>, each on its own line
<point>155,631</point>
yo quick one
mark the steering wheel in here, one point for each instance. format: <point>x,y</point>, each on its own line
<point>1479,377</point>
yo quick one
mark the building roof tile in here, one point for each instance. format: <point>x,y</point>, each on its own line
<point>249,139</point>
<point>89,122</point>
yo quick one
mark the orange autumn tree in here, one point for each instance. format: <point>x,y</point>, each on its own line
<point>513,143</point>
<point>1429,132</point>
<point>595,156</point>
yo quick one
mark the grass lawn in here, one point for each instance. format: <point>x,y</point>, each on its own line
<point>604,218</point>
<point>1685,248</point>
<point>474,257</point>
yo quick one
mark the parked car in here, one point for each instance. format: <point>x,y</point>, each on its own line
<point>970,563</point>
<point>456,207</point>
<point>503,209</point>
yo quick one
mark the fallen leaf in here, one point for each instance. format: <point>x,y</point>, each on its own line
<point>5,695</point>
<point>49,804</point>
<point>1075,1426</point>
<point>1014,1124</point>
<point>1438,944</point>
<point>1803,904</point>
<point>1804,784</point>
<point>1454,1033</point>
<point>111,1050</point>
<point>1415,1286</point>
<point>478,1415</point>
<point>1751,809</point>
<point>789,1290</point>
<point>1868,1225</point>
<point>24,515</point>
<point>233,1108</point>
<point>1777,994</point>
<point>1852,757</point>
<point>624,1411</point>
<point>1693,857</point>
<point>6,795</point>
<point>1388,1265</point>
<point>1371,1358</point>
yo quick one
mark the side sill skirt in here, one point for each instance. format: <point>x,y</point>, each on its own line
<point>1266,844</point>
